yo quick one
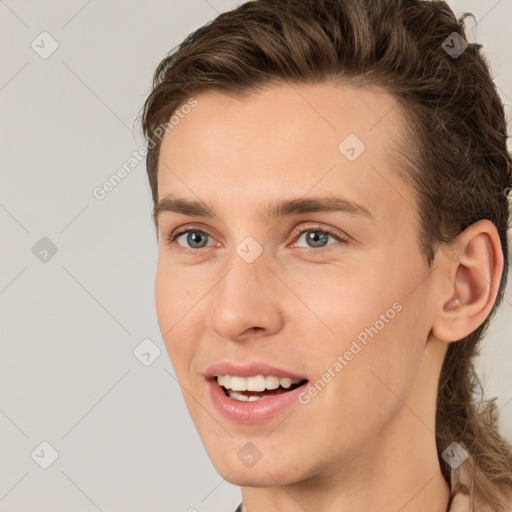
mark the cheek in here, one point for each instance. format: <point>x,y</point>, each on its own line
<point>175,294</point>
<point>172,303</point>
<point>377,377</point>
<point>375,327</point>
<point>165,307</point>
<point>347,301</point>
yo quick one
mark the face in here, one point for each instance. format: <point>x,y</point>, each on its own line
<point>332,297</point>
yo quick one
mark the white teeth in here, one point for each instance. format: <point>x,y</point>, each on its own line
<point>271,382</point>
<point>226,381</point>
<point>245,398</point>
<point>257,383</point>
<point>286,383</point>
<point>238,383</point>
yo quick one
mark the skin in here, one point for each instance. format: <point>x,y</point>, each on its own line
<point>366,441</point>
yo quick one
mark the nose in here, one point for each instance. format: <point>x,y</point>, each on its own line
<point>246,301</point>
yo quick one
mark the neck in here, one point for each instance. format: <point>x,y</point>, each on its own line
<point>399,470</point>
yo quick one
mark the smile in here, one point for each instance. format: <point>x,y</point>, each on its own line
<point>250,389</point>
<point>249,406</point>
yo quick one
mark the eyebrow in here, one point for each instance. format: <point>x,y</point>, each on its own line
<point>274,209</point>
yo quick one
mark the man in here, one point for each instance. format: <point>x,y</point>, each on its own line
<point>342,166</point>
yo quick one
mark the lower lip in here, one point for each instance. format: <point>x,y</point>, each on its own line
<point>256,411</point>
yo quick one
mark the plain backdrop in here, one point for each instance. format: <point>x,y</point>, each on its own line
<point>77,273</point>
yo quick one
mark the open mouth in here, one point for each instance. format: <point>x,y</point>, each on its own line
<point>245,395</point>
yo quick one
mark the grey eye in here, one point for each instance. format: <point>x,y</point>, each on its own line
<point>194,237</point>
<point>315,237</point>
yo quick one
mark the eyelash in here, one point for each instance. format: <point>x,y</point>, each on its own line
<point>171,238</point>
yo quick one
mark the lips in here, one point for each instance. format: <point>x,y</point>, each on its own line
<point>251,412</point>
<point>274,404</point>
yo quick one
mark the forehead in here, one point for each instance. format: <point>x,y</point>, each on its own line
<point>290,114</point>
<point>288,139</point>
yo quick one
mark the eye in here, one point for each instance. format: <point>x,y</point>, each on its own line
<point>318,237</point>
<point>195,237</point>
<point>315,236</point>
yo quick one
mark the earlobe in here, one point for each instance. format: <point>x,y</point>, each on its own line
<point>473,279</point>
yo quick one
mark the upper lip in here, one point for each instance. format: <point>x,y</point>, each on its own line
<point>249,370</point>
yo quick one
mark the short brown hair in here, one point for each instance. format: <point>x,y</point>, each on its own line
<point>454,155</point>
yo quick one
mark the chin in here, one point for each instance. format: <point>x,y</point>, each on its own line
<point>264,473</point>
<point>253,477</point>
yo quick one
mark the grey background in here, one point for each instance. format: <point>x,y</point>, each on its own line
<point>70,325</point>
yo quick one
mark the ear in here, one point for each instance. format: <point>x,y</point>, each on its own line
<point>471,268</point>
